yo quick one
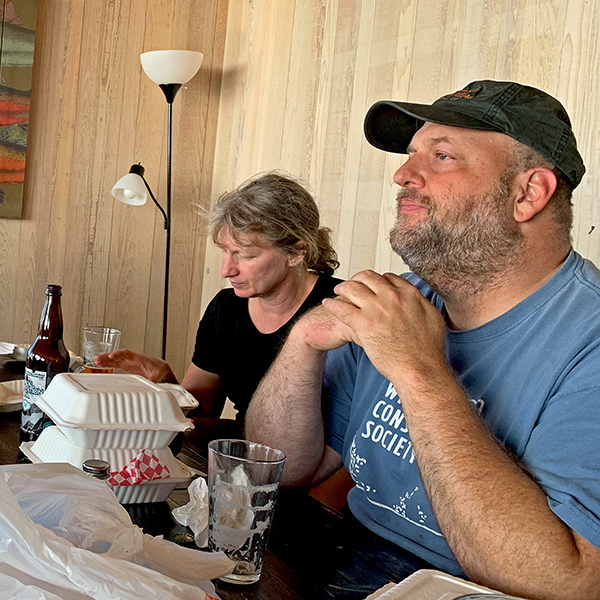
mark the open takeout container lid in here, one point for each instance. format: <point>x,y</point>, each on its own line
<point>113,402</point>
<point>11,396</point>
<point>429,584</point>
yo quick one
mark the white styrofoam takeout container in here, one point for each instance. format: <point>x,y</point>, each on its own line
<point>11,396</point>
<point>429,584</point>
<point>54,447</point>
<point>157,490</point>
<point>185,400</point>
<point>113,411</point>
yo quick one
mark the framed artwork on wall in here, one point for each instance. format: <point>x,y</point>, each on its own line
<point>16,65</point>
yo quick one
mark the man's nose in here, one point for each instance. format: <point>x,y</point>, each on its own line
<point>228,268</point>
<point>409,175</point>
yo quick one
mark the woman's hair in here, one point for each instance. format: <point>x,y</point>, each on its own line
<point>282,211</point>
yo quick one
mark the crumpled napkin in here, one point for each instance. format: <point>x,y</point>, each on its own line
<point>233,494</point>
<point>194,514</point>
<point>237,497</point>
<point>143,467</point>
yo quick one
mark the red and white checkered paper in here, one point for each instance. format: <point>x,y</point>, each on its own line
<point>144,467</point>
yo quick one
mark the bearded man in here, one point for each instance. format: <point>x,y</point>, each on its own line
<point>464,397</point>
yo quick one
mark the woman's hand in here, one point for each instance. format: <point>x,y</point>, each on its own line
<point>154,369</point>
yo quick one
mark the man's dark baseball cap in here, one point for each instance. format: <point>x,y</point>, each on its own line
<point>525,113</point>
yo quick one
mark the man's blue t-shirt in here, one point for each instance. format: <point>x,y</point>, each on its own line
<point>534,375</point>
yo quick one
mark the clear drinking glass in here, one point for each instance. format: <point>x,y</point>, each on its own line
<point>243,481</point>
<point>98,340</point>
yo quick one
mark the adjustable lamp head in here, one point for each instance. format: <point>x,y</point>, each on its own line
<point>131,188</point>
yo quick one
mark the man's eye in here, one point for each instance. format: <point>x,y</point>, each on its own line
<point>443,156</point>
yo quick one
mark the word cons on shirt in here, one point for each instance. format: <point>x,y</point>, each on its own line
<point>390,426</point>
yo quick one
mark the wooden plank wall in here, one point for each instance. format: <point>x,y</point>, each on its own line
<point>300,76</point>
<point>94,114</point>
<point>284,84</point>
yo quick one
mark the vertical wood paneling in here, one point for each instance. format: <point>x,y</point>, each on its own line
<point>578,83</point>
<point>134,229</point>
<point>284,84</point>
<point>197,26</point>
<point>346,55</point>
<point>303,84</point>
<point>352,202</point>
<point>159,34</point>
<point>48,182</point>
<point>212,80</point>
<point>385,164</point>
<point>94,113</point>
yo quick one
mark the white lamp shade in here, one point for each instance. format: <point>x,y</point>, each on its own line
<point>130,190</point>
<point>171,66</point>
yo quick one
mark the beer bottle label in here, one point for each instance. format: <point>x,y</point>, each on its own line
<point>35,386</point>
<point>33,418</point>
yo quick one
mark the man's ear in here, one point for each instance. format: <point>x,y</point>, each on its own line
<point>534,189</point>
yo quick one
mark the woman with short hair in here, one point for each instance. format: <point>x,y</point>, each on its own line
<point>280,262</point>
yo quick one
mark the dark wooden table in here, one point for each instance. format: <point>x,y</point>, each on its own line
<point>313,552</point>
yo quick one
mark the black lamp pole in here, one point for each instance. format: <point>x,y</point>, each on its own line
<point>139,170</point>
<point>170,91</point>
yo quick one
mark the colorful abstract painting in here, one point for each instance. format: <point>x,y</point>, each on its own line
<point>16,65</point>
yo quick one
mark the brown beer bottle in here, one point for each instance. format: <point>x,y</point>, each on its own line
<point>46,357</point>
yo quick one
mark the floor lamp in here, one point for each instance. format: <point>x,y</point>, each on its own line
<point>170,69</point>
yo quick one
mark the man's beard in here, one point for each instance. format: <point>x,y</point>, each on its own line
<point>462,251</point>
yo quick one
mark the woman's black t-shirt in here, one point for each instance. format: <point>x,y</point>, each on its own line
<point>229,345</point>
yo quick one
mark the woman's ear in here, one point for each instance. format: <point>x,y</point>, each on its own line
<point>298,255</point>
<point>534,189</point>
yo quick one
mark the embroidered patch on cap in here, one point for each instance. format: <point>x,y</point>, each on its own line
<point>464,94</point>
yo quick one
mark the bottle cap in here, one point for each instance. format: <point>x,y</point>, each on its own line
<point>96,467</point>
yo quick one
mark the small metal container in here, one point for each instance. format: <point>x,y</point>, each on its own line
<point>96,467</point>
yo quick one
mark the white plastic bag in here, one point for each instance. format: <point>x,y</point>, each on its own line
<point>53,515</point>
<point>14,589</point>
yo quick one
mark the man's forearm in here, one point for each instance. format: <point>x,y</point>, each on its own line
<point>285,411</point>
<point>495,518</point>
